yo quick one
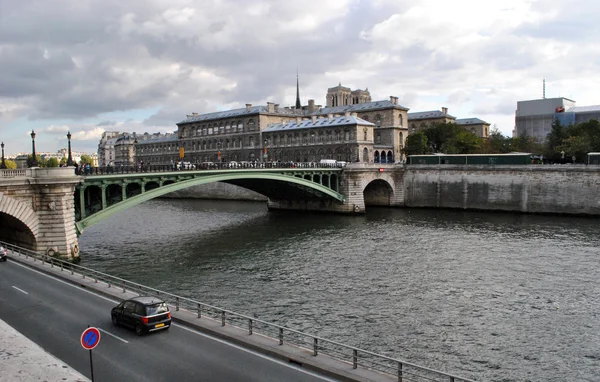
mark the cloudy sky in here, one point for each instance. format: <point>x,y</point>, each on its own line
<point>89,66</point>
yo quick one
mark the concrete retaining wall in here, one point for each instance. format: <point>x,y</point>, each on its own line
<point>217,191</point>
<point>530,189</point>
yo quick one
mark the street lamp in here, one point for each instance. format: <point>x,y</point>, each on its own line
<point>218,151</point>
<point>34,162</point>
<point>69,158</point>
<point>3,165</point>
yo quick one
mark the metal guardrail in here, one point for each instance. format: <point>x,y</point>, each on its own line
<point>405,371</point>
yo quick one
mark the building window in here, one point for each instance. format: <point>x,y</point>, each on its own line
<point>364,134</point>
<point>251,125</point>
<point>378,139</point>
<point>401,120</point>
<point>378,120</point>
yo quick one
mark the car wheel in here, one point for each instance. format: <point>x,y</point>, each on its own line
<point>139,330</point>
<point>115,321</point>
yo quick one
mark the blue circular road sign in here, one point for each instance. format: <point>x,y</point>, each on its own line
<point>90,338</point>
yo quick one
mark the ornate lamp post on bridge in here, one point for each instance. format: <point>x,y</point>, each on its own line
<point>34,162</point>
<point>3,165</point>
<point>70,157</point>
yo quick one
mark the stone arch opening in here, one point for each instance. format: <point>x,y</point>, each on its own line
<point>378,193</point>
<point>16,232</point>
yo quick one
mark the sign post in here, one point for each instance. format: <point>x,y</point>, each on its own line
<point>89,340</point>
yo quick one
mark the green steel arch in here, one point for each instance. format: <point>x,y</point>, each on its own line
<point>145,196</point>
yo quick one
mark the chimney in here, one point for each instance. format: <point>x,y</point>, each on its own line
<point>355,115</point>
<point>276,107</point>
<point>444,110</point>
<point>298,120</point>
<point>347,115</point>
<point>248,106</point>
<point>392,99</point>
<point>270,107</point>
<point>330,116</point>
<point>313,118</point>
<point>195,114</point>
<point>311,105</point>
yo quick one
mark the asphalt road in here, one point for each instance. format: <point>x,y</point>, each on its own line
<point>54,314</point>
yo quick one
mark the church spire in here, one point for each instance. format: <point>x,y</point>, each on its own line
<point>298,104</point>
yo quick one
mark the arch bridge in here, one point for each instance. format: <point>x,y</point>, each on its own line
<point>45,209</point>
<point>99,196</point>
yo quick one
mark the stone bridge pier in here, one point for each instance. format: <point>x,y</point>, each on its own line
<point>362,185</point>
<point>37,210</point>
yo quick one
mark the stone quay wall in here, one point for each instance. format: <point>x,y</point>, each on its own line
<point>552,189</point>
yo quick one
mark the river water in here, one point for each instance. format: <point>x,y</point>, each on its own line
<point>488,296</point>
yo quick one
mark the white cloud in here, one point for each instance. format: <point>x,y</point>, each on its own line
<point>78,68</point>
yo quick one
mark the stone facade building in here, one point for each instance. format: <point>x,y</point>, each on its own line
<point>106,148</point>
<point>343,138</point>
<point>296,133</point>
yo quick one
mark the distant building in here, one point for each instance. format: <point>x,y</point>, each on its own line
<point>422,120</point>
<point>351,127</point>
<point>578,114</point>
<point>106,148</point>
<point>534,118</point>
<point>477,126</point>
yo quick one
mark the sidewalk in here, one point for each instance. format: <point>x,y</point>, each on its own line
<point>23,360</point>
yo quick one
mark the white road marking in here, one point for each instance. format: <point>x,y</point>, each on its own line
<point>66,283</point>
<point>291,366</point>
<point>112,335</point>
<point>20,290</point>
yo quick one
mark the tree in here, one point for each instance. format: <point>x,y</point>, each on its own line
<point>496,143</point>
<point>52,162</point>
<point>39,160</point>
<point>86,159</point>
<point>63,161</point>
<point>10,164</point>
<point>463,142</point>
<point>555,139</point>
<point>416,144</point>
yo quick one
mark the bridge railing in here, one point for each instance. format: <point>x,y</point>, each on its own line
<point>115,170</point>
<point>353,356</point>
<point>13,173</point>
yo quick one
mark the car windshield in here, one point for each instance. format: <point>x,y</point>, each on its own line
<point>156,309</point>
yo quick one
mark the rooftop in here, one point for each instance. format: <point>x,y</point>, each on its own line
<point>319,122</point>
<point>584,109</point>
<point>239,113</point>
<point>428,115</point>
<point>471,121</point>
<point>360,107</point>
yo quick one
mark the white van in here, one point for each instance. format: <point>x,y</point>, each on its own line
<point>327,162</point>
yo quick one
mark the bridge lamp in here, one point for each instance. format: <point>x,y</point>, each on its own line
<point>3,165</point>
<point>69,158</point>
<point>34,162</point>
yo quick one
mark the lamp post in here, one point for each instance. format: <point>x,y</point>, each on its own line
<point>34,162</point>
<point>219,151</point>
<point>69,158</point>
<point>3,165</point>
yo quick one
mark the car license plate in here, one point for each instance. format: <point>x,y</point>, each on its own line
<point>159,325</point>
